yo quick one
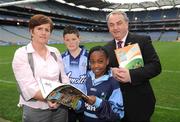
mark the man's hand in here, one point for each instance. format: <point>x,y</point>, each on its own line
<point>121,74</point>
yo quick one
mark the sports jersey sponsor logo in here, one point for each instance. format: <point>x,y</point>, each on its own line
<point>80,80</point>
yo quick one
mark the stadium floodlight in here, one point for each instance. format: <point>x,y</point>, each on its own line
<point>177,6</point>
<point>71,4</point>
<point>107,9</point>
<point>166,7</point>
<point>137,9</point>
<point>61,1</point>
<point>94,9</point>
<point>19,2</point>
<point>152,8</point>
<point>81,6</point>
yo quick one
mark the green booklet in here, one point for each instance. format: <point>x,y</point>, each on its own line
<point>129,57</point>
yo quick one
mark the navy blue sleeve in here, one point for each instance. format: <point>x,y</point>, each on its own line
<point>113,108</point>
<point>105,112</point>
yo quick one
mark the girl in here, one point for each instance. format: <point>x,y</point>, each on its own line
<point>104,103</point>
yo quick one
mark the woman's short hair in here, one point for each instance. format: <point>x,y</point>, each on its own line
<point>40,19</point>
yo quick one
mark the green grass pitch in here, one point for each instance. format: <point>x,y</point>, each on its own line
<point>166,86</point>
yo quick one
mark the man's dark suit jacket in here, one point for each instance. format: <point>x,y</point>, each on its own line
<point>139,99</point>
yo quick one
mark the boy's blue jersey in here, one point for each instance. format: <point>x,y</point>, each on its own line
<point>76,68</point>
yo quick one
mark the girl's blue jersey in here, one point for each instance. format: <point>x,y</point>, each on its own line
<point>108,92</point>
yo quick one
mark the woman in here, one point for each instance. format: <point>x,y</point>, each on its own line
<point>45,66</point>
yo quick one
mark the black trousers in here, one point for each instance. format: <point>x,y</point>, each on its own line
<point>125,120</point>
<point>73,116</point>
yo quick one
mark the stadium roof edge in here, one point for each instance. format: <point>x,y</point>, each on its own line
<point>108,6</point>
<point>19,2</point>
<point>104,5</point>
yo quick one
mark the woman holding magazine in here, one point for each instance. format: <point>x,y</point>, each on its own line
<point>42,64</point>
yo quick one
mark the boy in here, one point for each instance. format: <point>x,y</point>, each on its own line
<point>75,63</point>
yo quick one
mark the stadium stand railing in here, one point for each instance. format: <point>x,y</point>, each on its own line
<point>156,23</point>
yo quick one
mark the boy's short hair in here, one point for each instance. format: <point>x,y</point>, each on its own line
<point>71,30</point>
<point>40,19</point>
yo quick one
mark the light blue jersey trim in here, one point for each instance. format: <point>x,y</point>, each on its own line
<point>79,104</point>
<point>98,102</point>
<point>90,115</point>
<point>98,80</point>
<point>117,96</point>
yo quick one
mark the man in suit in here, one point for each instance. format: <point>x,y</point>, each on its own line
<point>139,99</point>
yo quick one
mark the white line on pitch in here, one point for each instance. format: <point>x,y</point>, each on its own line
<point>171,71</point>
<point>5,62</point>
<point>157,106</point>
<point>167,108</point>
<point>5,81</point>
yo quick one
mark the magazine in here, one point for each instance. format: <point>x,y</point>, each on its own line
<point>129,56</point>
<point>65,94</point>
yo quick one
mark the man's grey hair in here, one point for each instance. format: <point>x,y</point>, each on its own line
<point>117,11</point>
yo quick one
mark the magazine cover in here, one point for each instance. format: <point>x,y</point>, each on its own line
<point>129,56</point>
<point>65,94</point>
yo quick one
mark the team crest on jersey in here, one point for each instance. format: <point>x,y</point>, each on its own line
<point>103,96</point>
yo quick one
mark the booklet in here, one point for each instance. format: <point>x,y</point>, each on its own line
<point>129,56</point>
<point>65,94</point>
